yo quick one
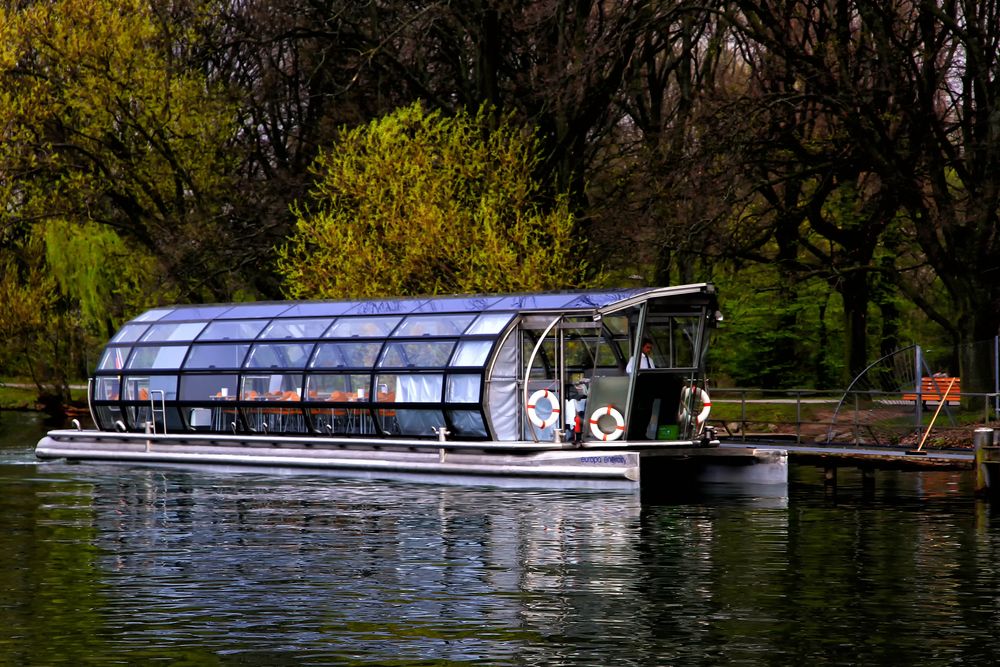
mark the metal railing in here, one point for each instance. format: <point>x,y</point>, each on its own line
<point>859,418</point>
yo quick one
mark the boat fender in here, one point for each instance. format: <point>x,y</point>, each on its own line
<point>706,406</point>
<point>595,427</point>
<point>543,395</point>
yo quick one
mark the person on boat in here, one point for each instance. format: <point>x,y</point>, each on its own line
<point>645,358</point>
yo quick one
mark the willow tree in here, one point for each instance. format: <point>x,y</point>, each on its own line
<point>424,203</point>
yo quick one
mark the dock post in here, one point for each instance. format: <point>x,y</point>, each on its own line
<point>868,480</point>
<point>982,441</point>
<point>830,479</point>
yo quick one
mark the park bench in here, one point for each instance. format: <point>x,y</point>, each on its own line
<point>932,390</point>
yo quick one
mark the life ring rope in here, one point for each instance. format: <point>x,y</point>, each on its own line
<point>595,426</point>
<point>553,400</point>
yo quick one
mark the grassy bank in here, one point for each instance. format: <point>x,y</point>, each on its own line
<point>18,394</point>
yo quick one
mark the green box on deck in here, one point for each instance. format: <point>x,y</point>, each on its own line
<point>666,432</point>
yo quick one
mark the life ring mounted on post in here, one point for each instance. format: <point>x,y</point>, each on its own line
<point>595,425</point>
<point>553,400</point>
<point>706,407</point>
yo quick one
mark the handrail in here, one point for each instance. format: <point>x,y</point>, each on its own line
<point>90,402</point>
<point>527,375</point>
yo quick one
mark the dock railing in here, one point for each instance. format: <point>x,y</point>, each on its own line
<point>863,418</point>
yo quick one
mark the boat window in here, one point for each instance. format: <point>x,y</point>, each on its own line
<point>467,423</point>
<point>232,329</point>
<point>362,327</point>
<point>106,389</point>
<point>173,331</point>
<point>418,354</point>
<point>674,340</point>
<point>273,387</point>
<point>490,323</point>
<point>472,353</point>
<point>338,388</point>
<point>463,388</point>
<point>147,387</point>
<point>433,325</point>
<point>130,333</point>
<point>166,356</point>
<point>299,328</point>
<point>208,387</point>
<point>279,355</point>
<point>114,358</point>
<point>412,388</point>
<point>217,356</point>
<point>411,422</point>
<point>346,355</point>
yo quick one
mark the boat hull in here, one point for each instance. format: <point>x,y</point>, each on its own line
<point>619,465</point>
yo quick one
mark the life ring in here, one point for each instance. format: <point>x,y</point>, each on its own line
<point>595,427</point>
<point>706,407</point>
<point>552,398</point>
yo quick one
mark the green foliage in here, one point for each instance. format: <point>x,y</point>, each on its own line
<point>103,122</point>
<point>777,338</point>
<point>108,280</point>
<point>422,203</point>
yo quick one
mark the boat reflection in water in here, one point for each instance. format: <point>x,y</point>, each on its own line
<point>587,389</point>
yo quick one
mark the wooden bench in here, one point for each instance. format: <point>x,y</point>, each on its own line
<point>932,390</point>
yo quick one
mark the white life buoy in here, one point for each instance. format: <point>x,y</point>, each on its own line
<point>540,395</point>
<point>595,427</point>
<point>706,407</point>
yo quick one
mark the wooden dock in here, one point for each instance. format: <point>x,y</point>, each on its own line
<point>983,458</point>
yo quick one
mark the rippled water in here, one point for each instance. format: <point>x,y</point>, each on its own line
<point>132,565</point>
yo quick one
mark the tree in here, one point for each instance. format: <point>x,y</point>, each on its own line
<point>911,92</point>
<point>105,122</point>
<point>423,203</point>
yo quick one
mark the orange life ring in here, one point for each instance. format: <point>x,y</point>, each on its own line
<point>595,427</point>
<point>542,395</point>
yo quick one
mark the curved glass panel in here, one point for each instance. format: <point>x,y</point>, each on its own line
<point>490,323</point>
<point>255,310</point>
<point>195,312</point>
<point>279,355</point>
<point>232,330</point>
<point>129,333</point>
<point>113,358</point>
<point>362,327</point>
<point>387,307</point>
<point>463,389</point>
<point>418,354</point>
<point>319,309</point>
<point>217,356</point>
<point>472,353</point>
<point>433,325</point>
<point>152,315</point>
<point>173,331</point>
<point>425,388</point>
<point>106,389</point>
<point>346,355</point>
<point>167,356</point>
<point>299,328</point>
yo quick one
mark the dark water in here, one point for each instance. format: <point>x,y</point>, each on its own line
<point>122,565</point>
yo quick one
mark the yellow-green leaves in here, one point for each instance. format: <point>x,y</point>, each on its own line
<point>421,203</point>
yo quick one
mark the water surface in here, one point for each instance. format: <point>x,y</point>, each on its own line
<point>122,564</point>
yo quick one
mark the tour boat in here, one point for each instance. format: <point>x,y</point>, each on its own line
<point>526,386</point>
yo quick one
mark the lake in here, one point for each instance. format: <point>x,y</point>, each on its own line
<point>119,564</point>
